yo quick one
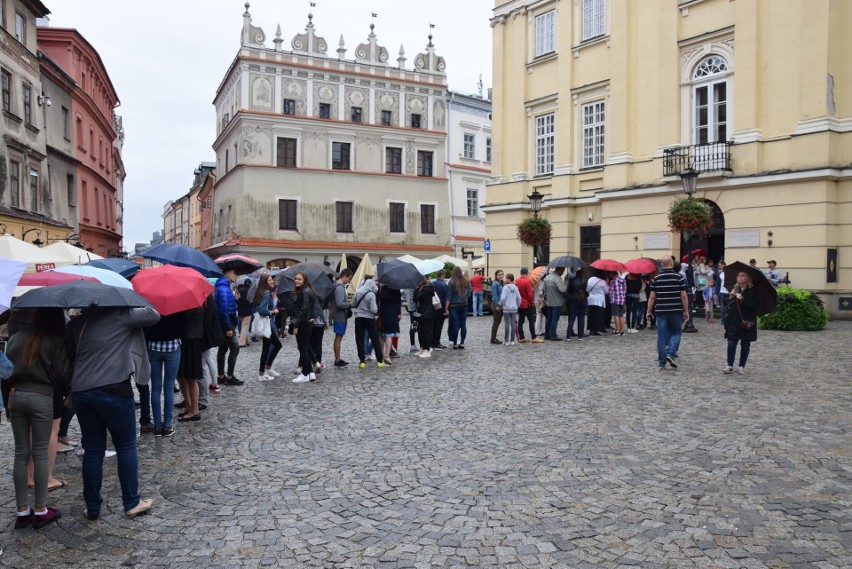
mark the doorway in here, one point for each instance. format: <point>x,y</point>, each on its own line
<point>713,242</point>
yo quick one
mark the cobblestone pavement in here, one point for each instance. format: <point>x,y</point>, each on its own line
<point>563,454</point>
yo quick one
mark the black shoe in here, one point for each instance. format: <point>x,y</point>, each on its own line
<point>180,404</point>
<point>149,428</point>
<point>158,432</point>
<point>496,342</point>
<point>233,381</point>
<point>167,432</point>
<point>439,347</point>
<point>202,406</point>
<point>341,363</point>
<point>460,346</point>
<point>555,339</point>
<point>671,361</point>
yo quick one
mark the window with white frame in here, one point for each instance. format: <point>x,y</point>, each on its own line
<point>545,33</point>
<point>710,100</point>
<point>472,202</point>
<point>396,216</point>
<point>545,129</point>
<point>288,214</point>
<point>427,219</point>
<point>594,18</point>
<point>594,120</point>
<point>469,145</point>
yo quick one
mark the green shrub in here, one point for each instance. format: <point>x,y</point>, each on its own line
<point>797,309</point>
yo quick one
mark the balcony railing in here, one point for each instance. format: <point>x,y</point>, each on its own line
<point>710,157</point>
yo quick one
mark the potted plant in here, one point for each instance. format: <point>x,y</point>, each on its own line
<point>534,231</point>
<point>690,216</point>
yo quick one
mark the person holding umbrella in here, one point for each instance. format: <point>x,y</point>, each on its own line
<point>741,321</point>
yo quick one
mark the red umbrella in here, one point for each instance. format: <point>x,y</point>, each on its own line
<point>641,265</point>
<point>171,288</point>
<point>609,265</point>
<point>51,278</point>
<point>699,253</point>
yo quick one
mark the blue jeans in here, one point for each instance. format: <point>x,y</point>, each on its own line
<point>577,311</point>
<point>634,311</point>
<point>458,323</point>
<point>477,303</point>
<point>99,412</point>
<point>723,302</point>
<point>668,335</point>
<point>745,348</point>
<point>553,313</point>
<point>163,385</point>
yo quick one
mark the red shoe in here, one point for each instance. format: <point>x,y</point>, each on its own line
<point>23,521</point>
<point>39,521</point>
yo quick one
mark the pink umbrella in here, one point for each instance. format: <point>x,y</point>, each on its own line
<point>50,278</point>
<point>609,265</point>
<point>641,265</point>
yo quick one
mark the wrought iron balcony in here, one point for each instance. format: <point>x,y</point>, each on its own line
<point>710,157</point>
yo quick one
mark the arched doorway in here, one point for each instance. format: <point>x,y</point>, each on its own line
<point>352,262</point>
<point>713,241</point>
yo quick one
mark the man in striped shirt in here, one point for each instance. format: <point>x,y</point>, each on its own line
<point>668,297</point>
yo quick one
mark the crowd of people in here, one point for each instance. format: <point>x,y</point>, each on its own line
<point>87,364</point>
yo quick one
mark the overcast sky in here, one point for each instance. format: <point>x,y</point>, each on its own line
<point>166,58</point>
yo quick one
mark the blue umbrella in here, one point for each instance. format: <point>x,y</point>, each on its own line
<point>182,256</point>
<point>123,267</point>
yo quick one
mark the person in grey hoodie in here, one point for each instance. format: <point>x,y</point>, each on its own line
<point>340,304</point>
<point>510,301</point>
<point>366,309</point>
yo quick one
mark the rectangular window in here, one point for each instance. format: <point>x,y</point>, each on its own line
<point>20,28</point>
<point>593,134</point>
<point>545,39</point>
<point>343,212</point>
<point>325,110</point>
<point>393,160</point>
<point>340,156</point>
<point>356,114</point>
<point>594,17</point>
<point>289,107</point>
<point>472,202</point>
<point>424,163</point>
<point>590,243</point>
<point>226,160</point>
<point>15,184</point>
<point>397,217</point>
<point>71,189</point>
<point>66,124</point>
<point>33,189</point>
<point>427,219</point>
<point>544,144</point>
<point>488,149</point>
<point>387,116</point>
<point>286,157</point>
<point>27,90</point>
<point>469,145</point>
<point>415,120</point>
<point>287,213</point>
<point>7,91</point>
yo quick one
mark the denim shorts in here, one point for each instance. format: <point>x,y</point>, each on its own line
<point>340,328</point>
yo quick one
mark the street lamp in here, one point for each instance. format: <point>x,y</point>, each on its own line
<point>689,179</point>
<point>37,241</point>
<point>535,201</point>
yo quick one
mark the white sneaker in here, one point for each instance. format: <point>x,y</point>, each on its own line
<point>425,354</point>
<point>414,349</point>
<point>728,370</point>
<point>301,379</point>
<point>370,358</point>
<point>272,373</point>
<point>265,377</point>
<point>312,376</point>
<point>109,453</point>
<point>741,370</point>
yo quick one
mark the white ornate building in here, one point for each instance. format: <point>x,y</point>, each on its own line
<point>318,155</point>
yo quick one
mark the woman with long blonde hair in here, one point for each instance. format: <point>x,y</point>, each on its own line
<point>741,321</point>
<point>459,291</point>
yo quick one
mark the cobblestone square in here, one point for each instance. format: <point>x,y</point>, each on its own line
<point>563,454</point>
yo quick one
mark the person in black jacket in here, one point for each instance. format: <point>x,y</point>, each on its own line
<point>578,303</point>
<point>303,300</point>
<point>741,321</point>
<point>244,310</point>
<point>423,297</point>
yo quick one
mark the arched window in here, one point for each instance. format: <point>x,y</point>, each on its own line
<point>710,98</point>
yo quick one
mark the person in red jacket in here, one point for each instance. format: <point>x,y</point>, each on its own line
<point>478,291</point>
<point>527,309</point>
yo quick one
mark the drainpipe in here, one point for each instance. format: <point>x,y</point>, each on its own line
<point>450,119</point>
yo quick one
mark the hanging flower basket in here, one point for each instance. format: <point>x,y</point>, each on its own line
<point>690,216</point>
<point>534,231</point>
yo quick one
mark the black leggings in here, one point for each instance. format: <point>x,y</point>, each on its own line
<point>316,343</point>
<point>426,325</point>
<point>270,349</point>
<point>303,342</point>
<point>367,325</point>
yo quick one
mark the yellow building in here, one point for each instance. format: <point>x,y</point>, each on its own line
<point>599,105</point>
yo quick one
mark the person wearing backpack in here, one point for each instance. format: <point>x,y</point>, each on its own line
<point>340,314</point>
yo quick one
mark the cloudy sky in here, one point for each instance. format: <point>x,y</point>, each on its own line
<point>166,58</point>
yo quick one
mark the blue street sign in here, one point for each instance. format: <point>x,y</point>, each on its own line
<point>487,245</point>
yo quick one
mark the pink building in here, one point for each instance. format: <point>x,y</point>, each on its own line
<point>92,119</point>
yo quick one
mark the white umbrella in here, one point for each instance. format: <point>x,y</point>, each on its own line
<point>365,268</point>
<point>409,259</point>
<point>462,263</point>
<point>429,266</point>
<point>71,253</point>
<point>103,275</point>
<point>37,259</point>
<point>10,274</point>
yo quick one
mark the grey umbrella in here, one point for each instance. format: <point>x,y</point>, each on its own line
<point>318,276</point>
<point>568,262</point>
<point>80,294</point>
<point>398,274</point>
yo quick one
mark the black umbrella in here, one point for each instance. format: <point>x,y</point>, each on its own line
<point>318,275</point>
<point>80,294</point>
<point>568,262</point>
<point>242,264</point>
<point>766,294</point>
<point>182,256</point>
<point>398,274</point>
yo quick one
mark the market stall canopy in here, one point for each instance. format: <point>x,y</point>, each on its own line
<point>37,259</point>
<point>71,253</point>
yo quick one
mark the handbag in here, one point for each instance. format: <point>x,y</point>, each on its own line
<point>436,301</point>
<point>261,326</point>
<point>744,324</point>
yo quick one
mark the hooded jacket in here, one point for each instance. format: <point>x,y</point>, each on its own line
<point>365,298</point>
<point>226,304</point>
